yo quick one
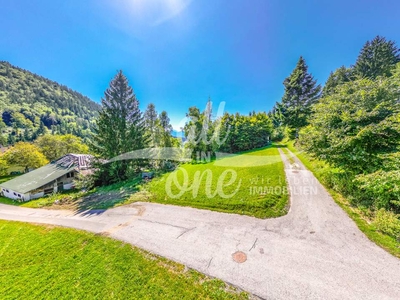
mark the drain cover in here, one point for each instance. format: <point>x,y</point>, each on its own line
<point>239,257</point>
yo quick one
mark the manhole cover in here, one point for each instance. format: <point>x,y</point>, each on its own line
<point>295,171</point>
<point>239,257</point>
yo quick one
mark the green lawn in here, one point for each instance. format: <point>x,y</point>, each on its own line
<point>364,224</point>
<point>238,178</point>
<point>43,262</point>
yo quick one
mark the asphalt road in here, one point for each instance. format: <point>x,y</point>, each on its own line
<point>314,252</point>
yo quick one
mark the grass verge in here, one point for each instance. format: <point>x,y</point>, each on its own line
<point>44,262</point>
<point>358,215</point>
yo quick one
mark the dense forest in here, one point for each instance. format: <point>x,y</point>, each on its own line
<point>32,105</point>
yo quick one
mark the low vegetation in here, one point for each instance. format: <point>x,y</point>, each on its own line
<point>44,262</point>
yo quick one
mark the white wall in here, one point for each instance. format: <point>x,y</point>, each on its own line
<point>9,194</point>
<point>14,195</point>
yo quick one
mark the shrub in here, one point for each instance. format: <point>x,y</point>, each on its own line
<point>84,182</point>
<point>388,223</point>
<point>381,187</point>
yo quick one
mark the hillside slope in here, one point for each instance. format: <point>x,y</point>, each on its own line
<point>31,105</point>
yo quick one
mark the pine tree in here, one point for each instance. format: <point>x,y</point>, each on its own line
<point>377,58</point>
<point>150,121</point>
<point>120,129</point>
<point>301,91</point>
<point>337,78</point>
<point>26,135</point>
<point>11,139</point>
<point>166,129</point>
<point>42,129</point>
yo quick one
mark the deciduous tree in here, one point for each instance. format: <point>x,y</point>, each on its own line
<point>25,155</point>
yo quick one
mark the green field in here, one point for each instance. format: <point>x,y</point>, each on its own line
<point>239,177</point>
<point>43,262</point>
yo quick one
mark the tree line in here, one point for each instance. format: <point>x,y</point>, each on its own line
<point>121,128</point>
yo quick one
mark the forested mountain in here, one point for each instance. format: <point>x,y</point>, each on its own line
<point>31,105</point>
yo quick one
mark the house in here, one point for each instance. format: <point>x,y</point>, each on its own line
<point>53,177</point>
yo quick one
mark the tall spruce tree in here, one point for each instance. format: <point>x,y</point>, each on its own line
<point>166,129</point>
<point>301,91</point>
<point>340,76</point>
<point>377,58</point>
<point>120,129</point>
<point>150,120</point>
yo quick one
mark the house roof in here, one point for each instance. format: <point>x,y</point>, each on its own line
<point>46,174</point>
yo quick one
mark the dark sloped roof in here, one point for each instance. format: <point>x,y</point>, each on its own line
<point>46,174</point>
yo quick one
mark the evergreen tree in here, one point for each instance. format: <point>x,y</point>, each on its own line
<point>53,129</point>
<point>11,139</point>
<point>340,76</point>
<point>377,58</point>
<point>301,91</point>
<point>150,121</point>
<point>166,129</point>
<point>276,116</point>
<point>42,129</point>
<point>26,135</point>
<point>120,129</point>
<point>194,131</point>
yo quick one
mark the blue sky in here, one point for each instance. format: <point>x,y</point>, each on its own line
<point>177,53</point>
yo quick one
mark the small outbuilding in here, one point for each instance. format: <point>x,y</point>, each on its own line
<point>51,178</point>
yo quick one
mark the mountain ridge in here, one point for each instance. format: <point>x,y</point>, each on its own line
<point>31,105</point>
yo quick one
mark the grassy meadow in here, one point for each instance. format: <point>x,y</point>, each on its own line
<point>235,184</point>
<point>45,262</point>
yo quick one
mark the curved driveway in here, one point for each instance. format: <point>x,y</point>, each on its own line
<point>314,252</point>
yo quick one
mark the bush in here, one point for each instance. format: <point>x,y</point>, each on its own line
<point>84,182</point>
<point>388,223</point>
<point>278,134</point>
<point>383,188</point>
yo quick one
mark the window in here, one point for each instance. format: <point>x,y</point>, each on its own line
<point>15,194</point>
